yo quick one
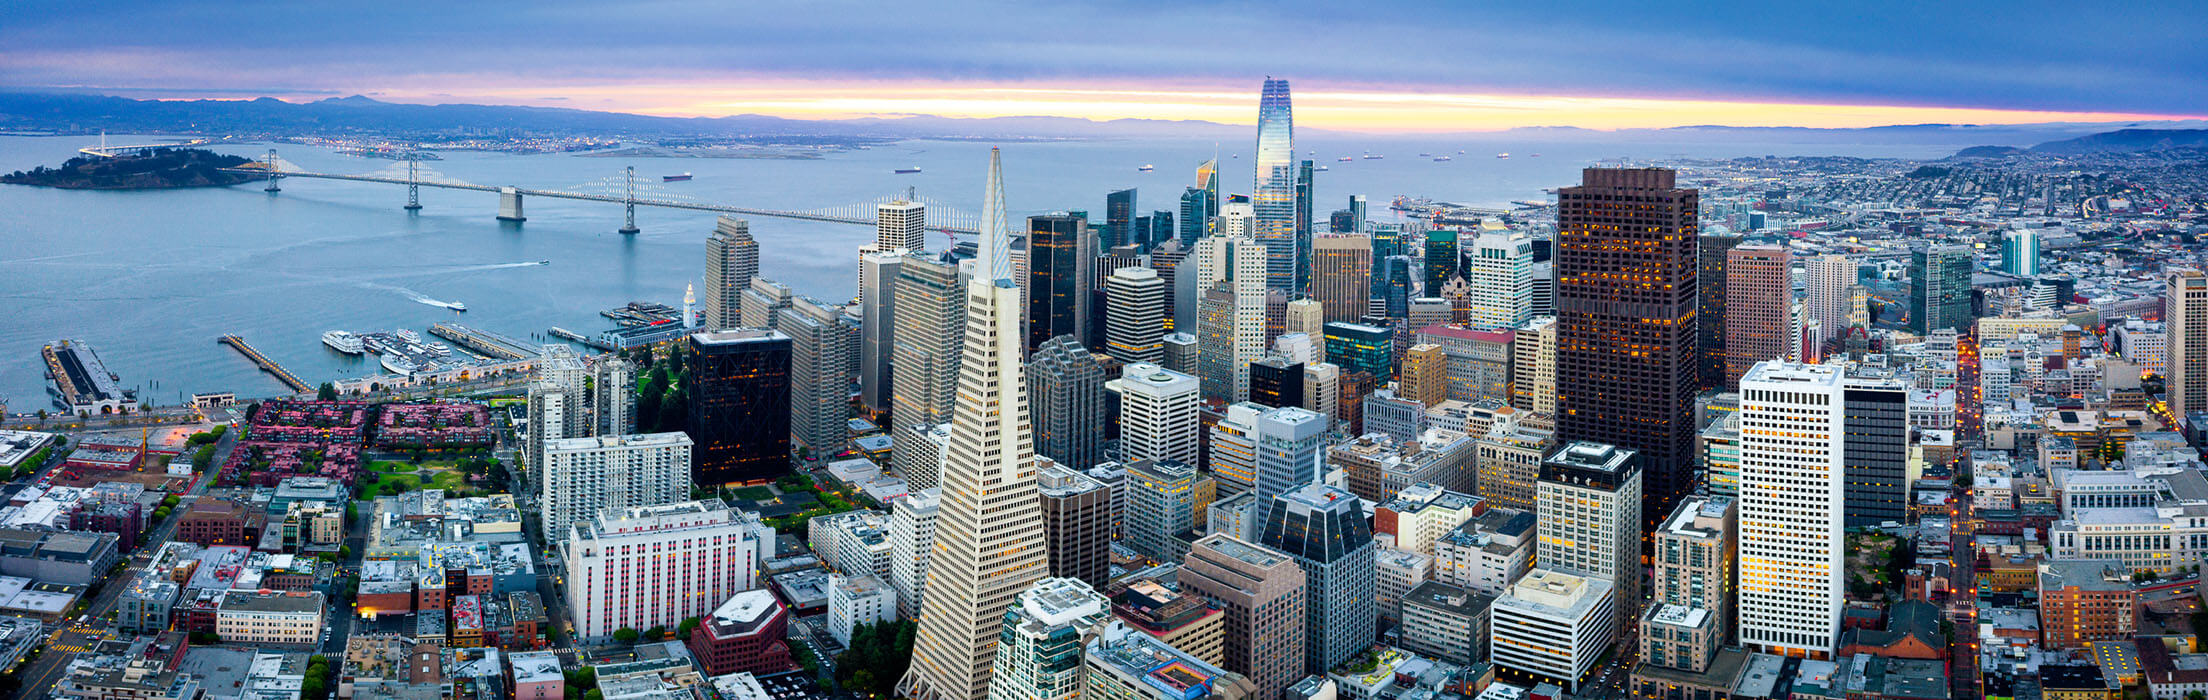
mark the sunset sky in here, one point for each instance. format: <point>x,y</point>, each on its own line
<point>1386,66</point>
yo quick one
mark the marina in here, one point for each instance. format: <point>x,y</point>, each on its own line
<point>267,365</point>
<point>486,343</point>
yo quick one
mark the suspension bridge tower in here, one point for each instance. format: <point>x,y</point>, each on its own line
<point>413,183</point>
<point>628,227</point>
<point>272,176</point>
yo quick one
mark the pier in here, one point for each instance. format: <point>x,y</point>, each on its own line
<point>587,341</point>
<point>267,365</point>
<point>486,343</point>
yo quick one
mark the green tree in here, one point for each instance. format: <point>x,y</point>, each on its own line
<point>674,412</point>
<point>689,624</point>
<point>594,694</point>
<point>625,635</point>
<point>328,392</point>
<point>655,633</point>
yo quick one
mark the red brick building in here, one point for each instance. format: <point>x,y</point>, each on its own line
<point>2087,600</point>
<point>211,522</point>
<point>744,634</point>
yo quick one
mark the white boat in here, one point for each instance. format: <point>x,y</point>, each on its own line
<point>342,341</point>
<point>399,364</point>
<point>1146,167</point>
<point>407,335</point>
<point>1320,168</point>
<point>1502,155</point>
<point>457,306</point>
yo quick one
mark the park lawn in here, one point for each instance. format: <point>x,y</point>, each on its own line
<point>385,484</point>
<point>389,467</point>
<point>454,483</point>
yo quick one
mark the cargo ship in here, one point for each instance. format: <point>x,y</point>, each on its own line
<point>685,177</point>
<point>81,382</point>
<point>343,341</point>
<point>906,171</point>
<point>1146,167</point>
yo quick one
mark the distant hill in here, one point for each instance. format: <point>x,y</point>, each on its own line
<point>162,169</point>
<point>1989,152</point>
<point>2127,141</point>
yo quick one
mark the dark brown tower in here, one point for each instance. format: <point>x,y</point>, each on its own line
<point>1625,291</point>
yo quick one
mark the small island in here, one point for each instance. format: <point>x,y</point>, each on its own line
<point>164,168</point>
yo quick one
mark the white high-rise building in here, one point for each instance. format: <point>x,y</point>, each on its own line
<point>1533,367</point>
<point>585,476</point>
<point>857,600</point>
<point>989,532</point>
<point>911,537</point>
<point>558,401</point>
<point>930,327</point>
<point>1501,273</point>
<point>1041,656</point>
<point>1157,414</point>
<point>2020,252</point>
<point>1792,508</point>
<point>731,261</point>
<point>1587,508</point>
<point>1248,281</point>
<point>1134,315</point>
<point>1829,297</point>
<point>1234,450</point>
<point>651,566</point>
<point>613,396</point>
<point>1236,220</point>
<point>901,224</point>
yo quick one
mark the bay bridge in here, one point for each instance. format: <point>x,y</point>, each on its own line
<point>621,189</point>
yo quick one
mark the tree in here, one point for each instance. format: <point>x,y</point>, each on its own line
<point>655,633</point>
<point>345,551</point>
<point>674,412</point>
<point>594,694</point>
<point>328,392</point>
<point>689,624</point>
<point>625,635</point>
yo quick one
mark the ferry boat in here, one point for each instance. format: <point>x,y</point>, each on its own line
<point>407,335</point>
<point>344,342</point>
<point>457,306</point>
<point>399,363</point>
<point>907,171</point>
<point>685,177</point>
<point>1504,156</point>
<point>1146,167</point>
<point>1441,159</point>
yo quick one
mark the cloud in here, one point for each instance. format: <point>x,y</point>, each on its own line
<point>2134,58</point>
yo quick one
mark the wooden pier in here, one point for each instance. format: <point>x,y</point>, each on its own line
<point>267,365</point>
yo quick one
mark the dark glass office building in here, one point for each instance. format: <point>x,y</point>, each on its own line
<point>1442,260</point>
<point>1876,449</point>
<point>1710,314</point>
<point>1626,368</point>
<point>1119,219</point>
<point>1357,347</point>
<point>739,388</point>
<point>1276,382</point>
<point>1061,261</point>
<point>1324,530</point>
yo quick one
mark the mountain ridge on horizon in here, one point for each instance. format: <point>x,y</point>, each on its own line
<point>63,111</point>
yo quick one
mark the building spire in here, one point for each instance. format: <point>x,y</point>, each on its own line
<point>995,234</point>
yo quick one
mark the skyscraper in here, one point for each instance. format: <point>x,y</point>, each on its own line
<point>1304,228</point>
<point>1397,286</point>
<point>1039,652</point>
<point>1077,523</point>
<point>2185,313</point>
<point>1831,277</point>
<point>1441,262</point>
<point>1061,261</point>
<point>1625,361</point>
<point>1262,593</point>
<point>1164,499</point>
<point>739,405</point>
<point>1939,288</point>
<point>1290,445</point>
<point>557,401</point>
<point>760,302</point>
<point>1357,347</point>
<point>584,476</point>
<point>1501,273</point>
<point>1710,307</point>
<point>976,570</point>
<point>1759,302</point>
<point>1233,320</point>
<point>613,396</point>
<point>1588,511</point>
<point>1323,529</point>
<point>1792,503</point>
<point>731,260</point>
<point>900,225</point>
<point>878,273</point>
<point>1876,449</point>
<point>820,385</point>
<point>1342,275</point>
<point>1425,377</point>
<point>1276,381</point>
<point>2020,252</point>
<point>1065,387</point>
<point>621,564</point>
<point>1119,220</point>
<point>1134,315</point>
<point>1273,198</point>
<point>1158,414</point>
<point>930,321</point>
<point>911,544</point>
<point>1693,571</point>
<point>1533,367</point>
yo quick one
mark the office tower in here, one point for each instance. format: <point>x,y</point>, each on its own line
<point>2020,252</point>
<point>1939,288</point>
<point>1342,275</point>
<point>1236,219</point>
<point>1180,353</point>
<point>731,260</point>
<point>1625,361</point>
<point>1501,273</point>
<point>1690,592</point>
<point>1183,621</point>
<point>1356,214</point>
<point>1324,530</point>
<point>1290,444</point>
<point>653,566</point>
<point>739,405</point>
<point>1830,294</point>
<point>820,390</point>
<point>1233,448</point>
<point>1588,505</point>
<point>1161,228</point>
<point>1232,331</point>
<point>1357,347</point>
<point>1273,198</point>
<point>989,479</point>
<point>1425,312</point>
<point>1399,418</point>
<point>1441,262</point>
<point>1196,208</point>
<point>1387,240</point>
<point>1180,283</point>
<point>1306,316</point>
<point>584,476</point>
<point>1322,388</point>
<point>1119,219</point>
<point>1533,367</point>
<point>1720,454</point>
<point>1398,286</point>
<point>1039,653</point>
<point>1117,258</point>
<point>1487,553</point>
<point>911,537</point>
<point>1340,222</point>
<point>1120,663</point>
<point>2185,340</point>
<point>1544,289</point>
<point>1351,412</point>
<point>878,274</point>
<point>1759,299</point>
<point>1276,381</point>
<point>1510,459</point>
<point>1709,284</point>
<point>1458,293</point>
<point>1305,227</point>
<point>1876,449</point>
<point>1207,179</point>
<point>1445,622</point>
<point>1215,336</point>
<point>930,318</point>
<point>1425,376</point>
<point>1164,499</point>
<point>613,396</point>
<point>1061,265</point>
<point>1077,523</point>
<point>1262,593</point>
<point>762,300</point>
<point>1552,626</point>
<point>1134,312</point>
<point>1065,390</point>
<point>900,225</point>
<point>1792,501</point>
<point>1157,414</point>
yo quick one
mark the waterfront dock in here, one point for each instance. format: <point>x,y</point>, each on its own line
<point>267,365</point>
<point>488,344</point>
<point>587,341</point>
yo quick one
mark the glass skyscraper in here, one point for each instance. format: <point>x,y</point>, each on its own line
<point>1273,199</point>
